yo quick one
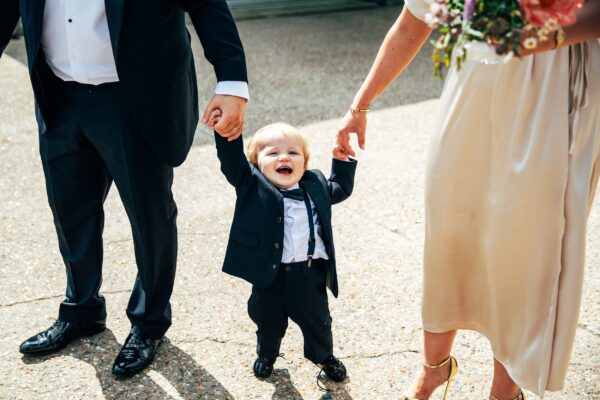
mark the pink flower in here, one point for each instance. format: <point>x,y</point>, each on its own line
<point>537,12</point>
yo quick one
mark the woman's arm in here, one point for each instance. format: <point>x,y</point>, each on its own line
<point>400,46</point>
<point>587,27</point>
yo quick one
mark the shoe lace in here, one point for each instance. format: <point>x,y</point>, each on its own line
<point>280,355</point>
<point>320,378</point>
<point>332,364</point>
<point>272,361</point>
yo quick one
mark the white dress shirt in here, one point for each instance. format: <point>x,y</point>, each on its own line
<point>76,42</point>
<point>296,231</point>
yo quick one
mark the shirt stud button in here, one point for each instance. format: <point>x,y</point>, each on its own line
<point>70,20</point>
<point>278,220</point>
<point>277,245</point>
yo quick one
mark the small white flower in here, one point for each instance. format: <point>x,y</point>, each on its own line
<point>530,43</point>
<point>551,24</point>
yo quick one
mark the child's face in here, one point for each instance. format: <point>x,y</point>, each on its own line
<point>281,160</point>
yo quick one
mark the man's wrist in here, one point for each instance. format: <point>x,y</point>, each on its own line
<point>233,88</point>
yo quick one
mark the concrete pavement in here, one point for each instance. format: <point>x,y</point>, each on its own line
<point>303,70</point>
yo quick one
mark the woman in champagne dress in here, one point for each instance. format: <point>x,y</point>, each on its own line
<point>511,174</point>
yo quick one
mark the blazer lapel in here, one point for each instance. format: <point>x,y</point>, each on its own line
<point>114,17</point>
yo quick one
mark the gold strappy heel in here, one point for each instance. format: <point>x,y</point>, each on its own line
<point>453,371</point>
<point>521,396</point>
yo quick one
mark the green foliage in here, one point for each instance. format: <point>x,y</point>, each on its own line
<point>498,23</point>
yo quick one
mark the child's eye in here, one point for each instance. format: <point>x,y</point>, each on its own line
<point>294,152</point>
<point>272,153</point>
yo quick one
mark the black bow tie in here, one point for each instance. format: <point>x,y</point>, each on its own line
<point>294,194</point>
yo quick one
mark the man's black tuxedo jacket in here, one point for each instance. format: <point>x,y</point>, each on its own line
<point>255,242</point>
<point>151,46</point>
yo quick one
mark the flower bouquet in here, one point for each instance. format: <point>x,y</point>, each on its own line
<point>493,31</point>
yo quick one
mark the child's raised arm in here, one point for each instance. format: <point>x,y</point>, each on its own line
<point>234,163</point>
<point>341,181</point>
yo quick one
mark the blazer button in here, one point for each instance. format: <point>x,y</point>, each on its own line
<point>279,220</point>
<point>274,266</point>
<point>277,245</point>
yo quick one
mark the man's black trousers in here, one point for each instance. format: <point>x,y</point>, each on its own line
<point>91,141</point>
<point>299,293</point>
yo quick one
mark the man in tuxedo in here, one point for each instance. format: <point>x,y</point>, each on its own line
<point>116,100</point>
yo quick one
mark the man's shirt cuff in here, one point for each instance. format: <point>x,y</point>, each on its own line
<point>233,88</point>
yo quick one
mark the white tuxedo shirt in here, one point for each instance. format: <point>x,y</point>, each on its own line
<point>76,42</point>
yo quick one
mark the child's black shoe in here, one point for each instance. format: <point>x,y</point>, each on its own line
<point>263,367</point>
<point>334,369</point>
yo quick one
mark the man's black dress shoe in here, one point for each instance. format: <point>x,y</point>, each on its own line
<point>263,367</point>
<point>334,369</point>
<point>135,355</point>
<point>59,335</point>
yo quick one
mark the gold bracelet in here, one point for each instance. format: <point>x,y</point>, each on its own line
<point>359,109</point>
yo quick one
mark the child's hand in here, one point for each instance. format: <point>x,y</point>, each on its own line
<point>213,118</point>
<point>338,152</point>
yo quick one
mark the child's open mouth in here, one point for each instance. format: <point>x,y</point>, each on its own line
<point>284,170</point>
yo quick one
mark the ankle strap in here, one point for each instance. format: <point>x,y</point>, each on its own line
<point>439,365</point>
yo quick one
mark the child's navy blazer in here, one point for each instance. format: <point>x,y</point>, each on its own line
<point>255,242</point>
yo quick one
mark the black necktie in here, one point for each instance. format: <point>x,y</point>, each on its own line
<point>294,194</point>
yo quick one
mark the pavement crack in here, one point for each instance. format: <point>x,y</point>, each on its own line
<point>385,354</point>
<point>217,340</point>
<point>38,299</point>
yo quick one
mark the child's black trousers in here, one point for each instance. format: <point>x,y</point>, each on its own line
<point>300,293</point>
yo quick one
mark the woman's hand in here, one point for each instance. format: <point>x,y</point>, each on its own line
<point>338,153</point>
<point>353,122</point>
<point>542,45</point>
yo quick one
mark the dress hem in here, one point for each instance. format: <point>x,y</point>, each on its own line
<point>477,327</point>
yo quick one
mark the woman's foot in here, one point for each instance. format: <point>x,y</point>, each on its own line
<point>503,387</point>
<point>519,396</point>
<point>428,380</point>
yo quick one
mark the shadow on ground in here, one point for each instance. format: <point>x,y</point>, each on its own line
<point>180,370</point>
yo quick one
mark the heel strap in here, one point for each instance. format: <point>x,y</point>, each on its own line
<point>520,396</point>
<point>439,365</point>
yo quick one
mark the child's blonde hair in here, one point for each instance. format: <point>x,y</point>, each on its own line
<point>260,140</point>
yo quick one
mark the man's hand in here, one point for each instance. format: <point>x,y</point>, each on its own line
<point>230,123</point>
<point>353,122</point>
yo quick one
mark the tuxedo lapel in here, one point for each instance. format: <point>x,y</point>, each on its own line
<point>114,17</point>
